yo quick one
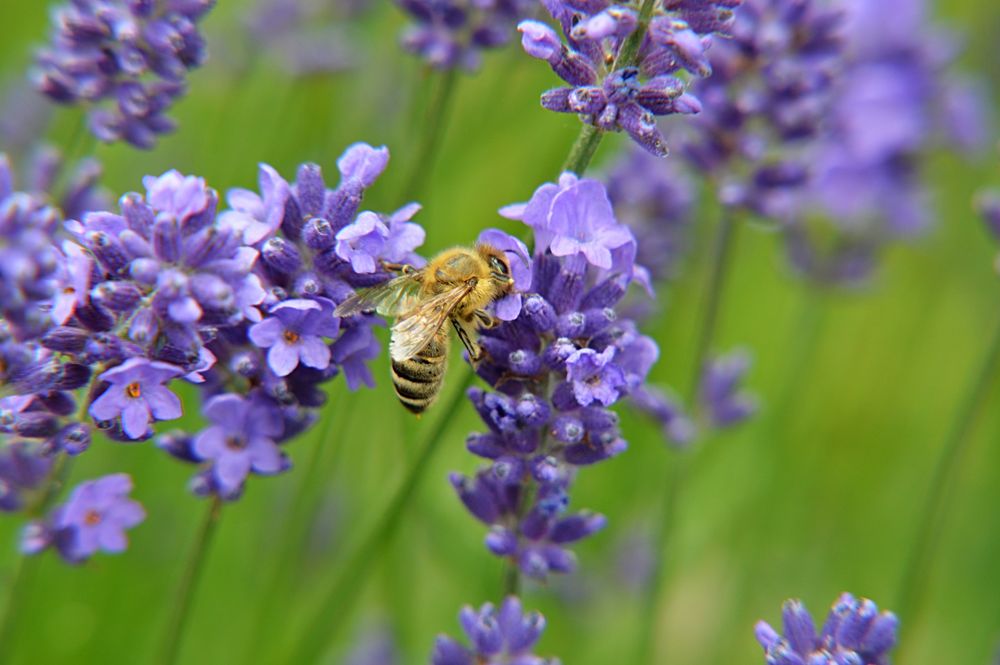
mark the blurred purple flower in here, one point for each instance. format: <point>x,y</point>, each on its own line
<point>125,62</point>
<point>507,635</point>
<point>240,439</point>
<point>453,34</point>
<point>94,518</point>
<point>719,390</point>
<point>855,633</point>
<point>136,393</point>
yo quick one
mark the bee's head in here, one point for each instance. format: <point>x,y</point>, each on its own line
<point>499,266</point>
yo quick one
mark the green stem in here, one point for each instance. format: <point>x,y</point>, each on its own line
<point>295,537</point>
<point>628,55</point>
<point>913,582</point>
<point>173,632</point>
<point>583,149</point>
<point>710,316</point>
<point>430,143</point>
<point>511,579</point>
<point>340,600</point>
<point>664,533</point>
<point>20,581</point>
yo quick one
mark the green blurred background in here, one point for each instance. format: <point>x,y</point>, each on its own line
<point>821,493</point>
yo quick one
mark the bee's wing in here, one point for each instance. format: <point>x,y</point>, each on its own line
<point>414,329</point>
<point>390,299</point>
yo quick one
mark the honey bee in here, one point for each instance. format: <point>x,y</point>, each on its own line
<point>456,285</point>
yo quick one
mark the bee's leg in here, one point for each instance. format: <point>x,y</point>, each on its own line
<point>466,333</point>
<point>401,268</point>
<point>484,319</point>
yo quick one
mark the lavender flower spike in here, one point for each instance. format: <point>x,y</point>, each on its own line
<point>124,61</point>
<point>138,395</point>
<point>497,637</point>
<point>854,633</point>
<point>94,518</point>
<point>625,96</point>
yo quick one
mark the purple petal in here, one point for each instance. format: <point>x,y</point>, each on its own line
<point>135,418</point>
<point>164,404</point>
<point>283,358</point>
<point>266,333</point>
<point>109,404</point>
<point>112,538</point>
<point>313,352</point>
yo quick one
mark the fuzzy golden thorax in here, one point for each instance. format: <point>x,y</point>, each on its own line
<point>485,264</point>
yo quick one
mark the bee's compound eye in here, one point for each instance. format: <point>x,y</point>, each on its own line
<point>498,265</point>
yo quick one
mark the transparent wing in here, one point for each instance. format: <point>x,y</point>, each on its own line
<point>414,329</point>
<point>398,295</point>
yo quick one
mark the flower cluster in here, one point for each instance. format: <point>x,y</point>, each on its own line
<point>626,96</point>
<point>556,367</point>
<point>504,635</point>
<point>719,396</point>
<point>239,303</point>
<point>306,37</point>
<point>450,34</point>
<point>766,101</point>
<point>126,61</point>
<point>855,633</point>
<point>655,200</point>
<point>896,98</point>
<point>988,204</point>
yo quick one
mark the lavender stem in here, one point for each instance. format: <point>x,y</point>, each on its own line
<point>173,633</point>
<point>430,140</point>
<point>583,149</point>
<point>323,626</point>
<point>654,590</point>
<point>913,582</point>
<point>295,536</point>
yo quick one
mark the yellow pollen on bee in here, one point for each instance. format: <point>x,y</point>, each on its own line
<point>291,336</point>
<point>69,290</point>
<point>134,389</point>
<point>92,518</point>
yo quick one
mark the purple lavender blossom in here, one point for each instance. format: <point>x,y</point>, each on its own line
<point>125,62</point>
<point>294,332</point>
<point>555,369</point>
<point>719,392</point>
<point>23,468</point>
<point>29,256</point>
<point>625,96</point>
<point>893,102</point>
<point>93,519</point>
<point>453,34</point>
<point>766,102</point>
<point>855,633</point>
<point>654,199</point>
<point>136,394</point>
<point>575,217</point>
<point>507,635</point>
<point>242,438</point>
<point>307,38</point>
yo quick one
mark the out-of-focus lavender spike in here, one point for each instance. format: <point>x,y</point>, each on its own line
<point>496,635</point>
<point>126,62</point>
<point>454,34</point>
<point>854,633</point>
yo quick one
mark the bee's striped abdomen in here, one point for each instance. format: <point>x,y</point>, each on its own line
<point>417,380</point>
